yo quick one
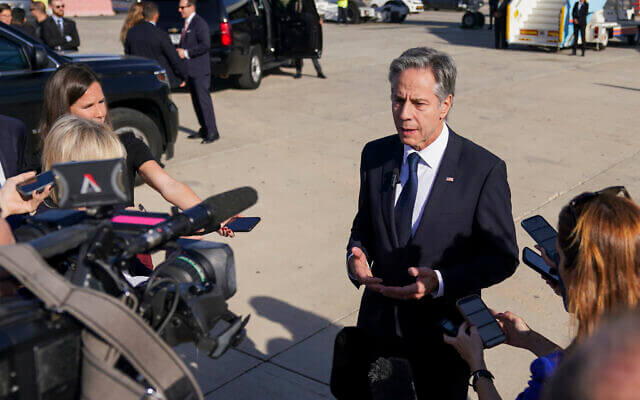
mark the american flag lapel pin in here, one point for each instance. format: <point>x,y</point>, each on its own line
<point>449,179</point>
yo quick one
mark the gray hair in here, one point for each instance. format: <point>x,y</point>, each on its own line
<point>441,65</point>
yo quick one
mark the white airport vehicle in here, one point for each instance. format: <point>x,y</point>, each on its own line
<point>363,10</point>
<point>548,23</point>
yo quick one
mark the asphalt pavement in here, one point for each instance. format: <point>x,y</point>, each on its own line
<point>563,125</point>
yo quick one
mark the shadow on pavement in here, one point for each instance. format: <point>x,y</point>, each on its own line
<point>301,325</point>
<point>618,87</point>
<point>452,33</point>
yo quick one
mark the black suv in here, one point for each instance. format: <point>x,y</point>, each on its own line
<point>136,90</point>
<point>251,36</point>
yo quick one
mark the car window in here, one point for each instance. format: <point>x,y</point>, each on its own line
<point>237,9</point>
<point>11,56</point>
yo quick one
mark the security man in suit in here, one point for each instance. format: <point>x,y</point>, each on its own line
<point>500,32</point>
<point>579,15</point>
<point>147,40</point>
<point>433,225</point>
<point>195,42</point>
<point>58,32</point>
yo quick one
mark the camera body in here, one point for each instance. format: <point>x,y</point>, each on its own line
<point>95,247</point>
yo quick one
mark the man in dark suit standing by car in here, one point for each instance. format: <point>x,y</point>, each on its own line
<point>500,29</point>
<point>195,43</point>
<point>434,224</point>
<point>58,32</point>
<point>147,40</point>
<point>579,15</point>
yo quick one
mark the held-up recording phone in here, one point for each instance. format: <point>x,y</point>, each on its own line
<point>543,233</point>
<point>449,327</point>
<point>243,224</point>
<point>536,262</point>
<point>35,184</point>
<point>476,313</point>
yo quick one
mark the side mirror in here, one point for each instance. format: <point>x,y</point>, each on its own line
<point>40,59</point>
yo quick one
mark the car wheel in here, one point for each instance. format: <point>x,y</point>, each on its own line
<point>479,19</point>
<point>252,77</point>
<point>468,20</point>
<point>129,120</point>
<point>353,13</point>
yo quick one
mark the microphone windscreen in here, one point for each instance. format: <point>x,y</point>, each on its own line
<point>228,204</point>
<point>391,378</point>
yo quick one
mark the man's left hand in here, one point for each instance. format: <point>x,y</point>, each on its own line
<point>426,283</point>
<point>180,52</point>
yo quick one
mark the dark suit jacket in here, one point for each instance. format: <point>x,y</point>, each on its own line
<point>27,28</point>
<point>501,10</point>
<point>580,16</point>
<point>13,134</point>
<point>51,35</point>
<point>197,41</point>
<point>147,40</point>
<point>466,232</point>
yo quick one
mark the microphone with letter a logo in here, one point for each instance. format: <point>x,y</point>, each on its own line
<point>89,185</point>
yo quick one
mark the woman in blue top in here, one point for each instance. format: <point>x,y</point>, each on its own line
<point>599,247</point>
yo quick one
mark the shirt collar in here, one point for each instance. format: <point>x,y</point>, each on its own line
<point>190,18</point>
<point>432,154</point>
<point>56,18</point>
<point>152,23</point>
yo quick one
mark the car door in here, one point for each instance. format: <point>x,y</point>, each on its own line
<point>299,33</point>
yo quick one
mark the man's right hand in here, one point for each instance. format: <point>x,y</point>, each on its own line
<point>360,270</point>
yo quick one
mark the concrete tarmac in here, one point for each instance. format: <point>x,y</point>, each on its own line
<point>563,125</point>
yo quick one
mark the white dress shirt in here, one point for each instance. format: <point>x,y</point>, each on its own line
<point>428,164</point>
<point>188,21</point>
<point>3,179</point>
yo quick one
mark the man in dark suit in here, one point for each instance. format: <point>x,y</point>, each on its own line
<point>195,42</point>
<point>493,4</point>
<point>13,134</point>
<point>500,32</point>
<point>58,32</point>
<point>433,225</point>
<point>147,40</point>
<point>19,21</point>
<point>579,15</point>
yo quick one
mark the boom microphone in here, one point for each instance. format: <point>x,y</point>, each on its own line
<point>208,215</point>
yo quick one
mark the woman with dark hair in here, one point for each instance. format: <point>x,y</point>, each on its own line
<point>75,89</point>
<point>599,247</point>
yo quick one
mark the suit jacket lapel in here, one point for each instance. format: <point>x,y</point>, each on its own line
<point>440,189</point>
<point>388,189</point>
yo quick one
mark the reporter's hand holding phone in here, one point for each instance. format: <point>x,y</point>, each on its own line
<point>468,345</point>
<point>552,284</point>
<point>12,202</point>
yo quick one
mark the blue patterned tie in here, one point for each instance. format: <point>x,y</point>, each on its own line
<point>404,207</point>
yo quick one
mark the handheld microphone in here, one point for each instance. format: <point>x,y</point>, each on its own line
<point>391,378</point>
<point>208,215</point>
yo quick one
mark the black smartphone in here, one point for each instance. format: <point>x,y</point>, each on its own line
<point>243,224</point>
<point>35,184</point>
<point>476,313</point>
<point>543,233</point>
<point>536,262</point>
<point>449,327</point>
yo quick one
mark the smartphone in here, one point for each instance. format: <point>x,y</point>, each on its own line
<point>243,224</point>
<point>35,184</point>
<point>449,327</point>
<point>536,262</point>
<point>543,233</point>
<point>476,313</point>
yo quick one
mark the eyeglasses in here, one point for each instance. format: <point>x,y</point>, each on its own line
<point>182,7</point>
<point>579,202</point>
<point>62,6</point>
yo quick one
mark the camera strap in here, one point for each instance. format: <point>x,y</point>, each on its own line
<point>122,330</point>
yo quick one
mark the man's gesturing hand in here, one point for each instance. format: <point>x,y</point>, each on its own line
<point>426,282</point>
<point>360,270</point>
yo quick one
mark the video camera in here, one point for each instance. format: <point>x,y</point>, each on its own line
<point>94,242</point>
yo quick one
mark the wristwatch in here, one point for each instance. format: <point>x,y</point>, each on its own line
<point>480,373</point>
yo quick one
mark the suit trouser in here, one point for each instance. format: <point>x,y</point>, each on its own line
<point>298,63</point>
<point>582,29</point>
<point>199,87</point>
<point>500,33</point>
<point>342,14</point>
<point>438,371</point>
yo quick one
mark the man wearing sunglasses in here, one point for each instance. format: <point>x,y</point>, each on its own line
<point>58,32</point>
